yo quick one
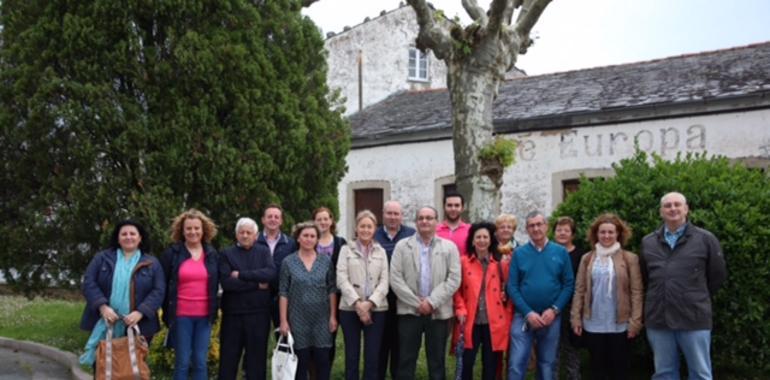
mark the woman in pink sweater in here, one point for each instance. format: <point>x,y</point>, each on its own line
<point>190,308</point>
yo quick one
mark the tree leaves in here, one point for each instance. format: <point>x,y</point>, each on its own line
<point>731,201</point>
<point>113,110</point>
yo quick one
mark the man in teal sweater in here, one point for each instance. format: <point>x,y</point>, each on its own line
<point>540,284</point>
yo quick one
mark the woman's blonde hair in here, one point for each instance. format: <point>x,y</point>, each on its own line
<point>177,226</point>
<point>363,214</point>
<point>506,218</point>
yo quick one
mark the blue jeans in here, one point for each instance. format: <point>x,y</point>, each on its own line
<point>695,345</point>
<point>192,347</point>
<point>547,343</point>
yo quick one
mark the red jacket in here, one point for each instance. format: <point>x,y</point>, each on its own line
<point>466,301</point>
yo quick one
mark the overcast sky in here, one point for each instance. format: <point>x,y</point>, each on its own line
<point>575,34</point>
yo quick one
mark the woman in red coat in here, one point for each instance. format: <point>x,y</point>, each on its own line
<point>481,307</point>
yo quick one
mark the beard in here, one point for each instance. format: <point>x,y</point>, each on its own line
<point>451,219</point>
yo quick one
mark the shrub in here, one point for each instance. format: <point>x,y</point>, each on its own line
<point>731,201</point>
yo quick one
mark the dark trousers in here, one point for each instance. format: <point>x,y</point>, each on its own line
<point>351,330</point>
<point>389,347</point>
<point>610,355</point>
<point>410,331</point>
<point>482,338</point>
<point>316,357</point>
<point>239,332</point>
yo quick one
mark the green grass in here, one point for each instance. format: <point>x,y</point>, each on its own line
<point>55,323</point>
<point>51,322</point>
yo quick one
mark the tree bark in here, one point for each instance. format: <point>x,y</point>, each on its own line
<point>472,97</point>
<point>477,58</point>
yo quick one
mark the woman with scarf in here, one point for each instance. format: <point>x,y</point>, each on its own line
<point>607,305</point>
<point>505,227</point>
<point>107,288</point>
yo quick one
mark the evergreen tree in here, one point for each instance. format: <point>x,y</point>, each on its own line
<point>143,109</point>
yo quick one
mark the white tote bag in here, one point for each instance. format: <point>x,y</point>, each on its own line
<point>284,363</point>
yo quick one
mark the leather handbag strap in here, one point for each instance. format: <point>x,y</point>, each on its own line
<point>132,352</point>
<point>108,354</point>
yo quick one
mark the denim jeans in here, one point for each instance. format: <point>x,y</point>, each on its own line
<point>547,343</point>
<point>695,345</point>
<point>192,347</point>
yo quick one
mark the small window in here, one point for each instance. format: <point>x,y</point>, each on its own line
<point>418,65</point>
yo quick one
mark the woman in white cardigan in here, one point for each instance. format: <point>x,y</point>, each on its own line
<point>362,278</point>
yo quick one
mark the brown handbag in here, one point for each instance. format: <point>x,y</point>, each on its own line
<point>123,358</point>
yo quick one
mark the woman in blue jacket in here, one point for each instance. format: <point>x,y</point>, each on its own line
<point>108,283</point>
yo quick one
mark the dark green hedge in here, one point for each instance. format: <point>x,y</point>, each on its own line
<point>729,200</point>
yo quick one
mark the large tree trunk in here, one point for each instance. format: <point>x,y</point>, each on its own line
<point>472,91</point>
<point>477,58</point>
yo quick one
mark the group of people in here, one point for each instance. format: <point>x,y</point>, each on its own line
<point>394,284</point>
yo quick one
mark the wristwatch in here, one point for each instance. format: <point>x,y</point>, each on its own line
<point>555,309</point>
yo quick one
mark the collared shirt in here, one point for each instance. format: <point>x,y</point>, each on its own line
<point>271,243</point>
<point>539,249</point>
<point>458,235</point>
<point>673,237</point>
<point>393,236</point>
<point>425,273</point>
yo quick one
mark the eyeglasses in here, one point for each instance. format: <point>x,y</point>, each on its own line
<point>535,225</point>
<point>425,218</point>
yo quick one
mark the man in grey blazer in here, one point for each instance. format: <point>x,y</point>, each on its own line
<point>424,274</point>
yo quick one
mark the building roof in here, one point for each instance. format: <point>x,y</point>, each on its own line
<point>709,82</point>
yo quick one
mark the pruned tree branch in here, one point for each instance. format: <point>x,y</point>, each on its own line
<point>497,12</point>
<point>475,11</point>
<point>528,15</point>
<point>434,34</point>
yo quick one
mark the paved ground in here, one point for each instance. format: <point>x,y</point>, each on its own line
<point>19,365</point>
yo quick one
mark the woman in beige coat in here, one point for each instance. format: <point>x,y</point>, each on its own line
<point>362,277</point>
<point>607,305</point>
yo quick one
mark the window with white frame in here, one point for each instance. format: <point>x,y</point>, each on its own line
<point>418,65</point>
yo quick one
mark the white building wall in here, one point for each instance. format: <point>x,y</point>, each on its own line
<point>546,157</point>
<point>383,44</point>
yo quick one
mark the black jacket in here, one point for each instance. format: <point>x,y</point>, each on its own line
<point>681,282</point>
<point>242,295</point>
<point>285,247</point>
<point>171,260</point>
